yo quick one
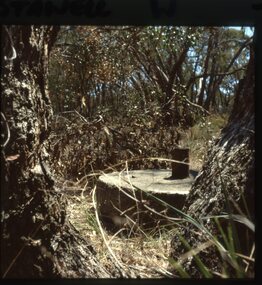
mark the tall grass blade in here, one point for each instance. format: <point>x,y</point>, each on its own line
<point>203,269</point>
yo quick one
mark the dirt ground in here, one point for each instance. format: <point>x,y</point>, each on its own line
<point>140,256</point>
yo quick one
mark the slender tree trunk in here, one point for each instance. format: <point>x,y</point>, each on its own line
<point>103,95</point>
<point>98,96</point>
<point>36,238</point>
<point>202,90</point>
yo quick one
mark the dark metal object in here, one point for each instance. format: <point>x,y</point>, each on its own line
<point>180,168</point>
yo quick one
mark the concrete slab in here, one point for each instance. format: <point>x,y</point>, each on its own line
<point>151,180</point>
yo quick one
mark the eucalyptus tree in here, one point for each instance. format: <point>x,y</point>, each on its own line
<point>219,231</point>
<point>183,70</point>
<point>220,59</point>
<point>37,239</point>
<point>160,53</point>
<point>90,68</point>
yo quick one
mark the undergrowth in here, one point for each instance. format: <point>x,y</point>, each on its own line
<point>81,149</point>
<point>147,255</point>
<point>199,137</point>
<point>79,146</point>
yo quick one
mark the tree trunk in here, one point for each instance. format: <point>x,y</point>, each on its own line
<point>37,240</point>
<point>212,40</point>
<point>226,179</point>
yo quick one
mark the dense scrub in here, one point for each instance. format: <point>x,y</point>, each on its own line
<point>80,146</point>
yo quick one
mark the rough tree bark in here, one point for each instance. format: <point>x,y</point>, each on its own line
<point>37,240</point>
<point>227,174</point>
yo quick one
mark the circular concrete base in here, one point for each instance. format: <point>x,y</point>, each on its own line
<point>140,197</point>
<point>150,180</point>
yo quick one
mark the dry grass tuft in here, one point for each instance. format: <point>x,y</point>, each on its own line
<point>139,257</point>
